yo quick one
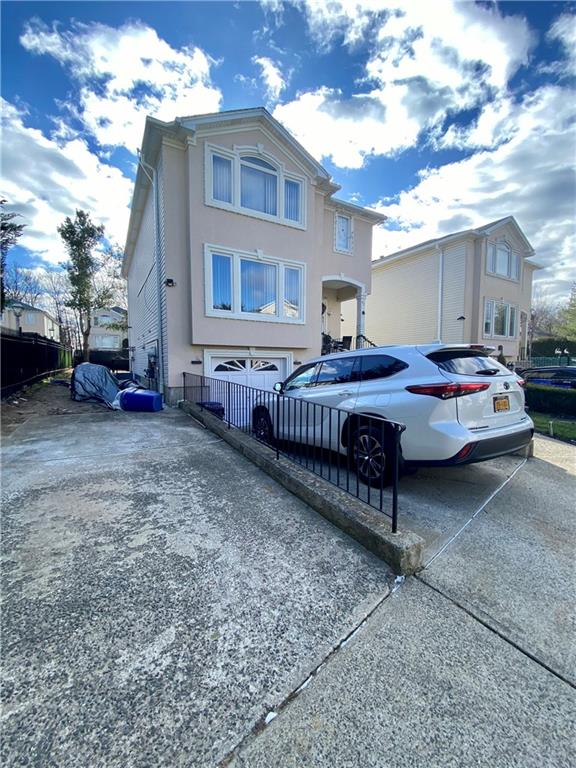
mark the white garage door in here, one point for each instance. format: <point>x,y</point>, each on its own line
<point>260,373</point>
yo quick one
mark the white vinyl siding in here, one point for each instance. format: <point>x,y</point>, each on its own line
<point>245,286</point>
<point>253,183</point>
<point>453,285</point>
<point>403,306</point>
<point>162,259</point>
<point>143,297</point>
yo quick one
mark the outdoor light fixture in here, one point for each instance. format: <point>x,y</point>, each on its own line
<point>17,309</point>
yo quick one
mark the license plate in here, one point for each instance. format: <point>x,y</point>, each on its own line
<point>501,404</point>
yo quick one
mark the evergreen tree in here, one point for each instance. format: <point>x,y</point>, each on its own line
<point>80,237</point>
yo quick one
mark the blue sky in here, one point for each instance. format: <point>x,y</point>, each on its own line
<point>443,115</point>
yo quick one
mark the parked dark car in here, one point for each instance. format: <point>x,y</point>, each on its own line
<point>551,376</point>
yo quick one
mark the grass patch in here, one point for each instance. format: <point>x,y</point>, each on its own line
<point>563,429</point>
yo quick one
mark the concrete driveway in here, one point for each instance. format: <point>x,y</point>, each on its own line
<point>471,663</point>
<point>161,595</point>
<point>167,604</point>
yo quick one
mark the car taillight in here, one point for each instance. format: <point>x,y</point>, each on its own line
<point>521,382</point>
<point>446,391</point>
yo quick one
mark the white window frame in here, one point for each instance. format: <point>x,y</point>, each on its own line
<point>493,303</point>
<point>236,313</point>
<point>236,155</point>
<point>513,257</point>
<point>98,337</point>
<point>350,248</point>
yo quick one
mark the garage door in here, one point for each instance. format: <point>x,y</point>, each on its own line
<point>260,373</point>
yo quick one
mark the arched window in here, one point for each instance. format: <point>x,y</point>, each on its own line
<point>258,185</point>
<point>248,180</point>
<point>503,261</point>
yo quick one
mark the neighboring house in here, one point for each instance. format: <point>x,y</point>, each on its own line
<point>20,316</point>
<point>234,244</point>
<point>472,287</point>
<point>102,337</point>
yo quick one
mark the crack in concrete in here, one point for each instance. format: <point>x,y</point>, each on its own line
<point>481,508</point>
<point>501,635</point>
<point>272,714</point>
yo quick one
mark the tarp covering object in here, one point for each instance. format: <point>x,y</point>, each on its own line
<point>94,382</point>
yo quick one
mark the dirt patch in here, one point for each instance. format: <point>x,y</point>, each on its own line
<point>45,398</point>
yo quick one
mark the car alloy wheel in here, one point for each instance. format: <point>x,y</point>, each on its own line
<point>371,456</point>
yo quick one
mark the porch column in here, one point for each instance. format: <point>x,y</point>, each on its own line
<point>361,312</point>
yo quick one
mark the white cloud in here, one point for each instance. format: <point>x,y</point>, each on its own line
<point>527,177</point>
<point>428,61</point>
<point>46,180</point>
<point>272,77</point>
<point>126,74</point>
<point>564,30</point>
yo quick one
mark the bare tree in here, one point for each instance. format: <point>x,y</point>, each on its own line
<point>10,231</point>
<point>21,284</point>
<point>55,299</point>
<point>545,314</point>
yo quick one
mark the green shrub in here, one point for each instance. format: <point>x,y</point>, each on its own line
<point>556,400</point>
<point>547,347</point>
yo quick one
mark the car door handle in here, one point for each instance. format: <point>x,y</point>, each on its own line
<point>345,392</point>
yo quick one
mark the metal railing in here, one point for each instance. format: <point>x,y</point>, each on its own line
<point>363,341</point>
<point>346,343</point>
<point>358,453</point>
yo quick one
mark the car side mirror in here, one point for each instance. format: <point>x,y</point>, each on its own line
<point>278,387</point>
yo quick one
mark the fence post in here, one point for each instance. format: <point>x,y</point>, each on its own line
<point>228,411</point>
<point>396,461</point>
<point>277,425</point>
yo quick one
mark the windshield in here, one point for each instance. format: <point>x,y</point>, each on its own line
<point>468,362</point>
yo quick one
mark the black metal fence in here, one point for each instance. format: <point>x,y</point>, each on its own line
<point>27,357</point>
<point>358,453</point>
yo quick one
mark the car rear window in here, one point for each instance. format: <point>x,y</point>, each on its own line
<point>380,367</point>
<point>468,363</point>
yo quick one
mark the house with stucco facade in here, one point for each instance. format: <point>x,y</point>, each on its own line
<point>235,246</point>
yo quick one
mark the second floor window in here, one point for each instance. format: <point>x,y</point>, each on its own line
<point>343,233</point>
<point>249,183</point>
<point>503,261</point>
<point>101,341</point>
<point>258,185</point>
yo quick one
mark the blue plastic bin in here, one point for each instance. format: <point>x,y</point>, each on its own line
<point>140,400</point>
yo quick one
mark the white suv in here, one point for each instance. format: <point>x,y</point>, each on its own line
<point>458,405</point>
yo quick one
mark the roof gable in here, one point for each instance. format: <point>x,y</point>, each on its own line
<point>241,118</point>
<point>509,229</point>
<point>501,227</point>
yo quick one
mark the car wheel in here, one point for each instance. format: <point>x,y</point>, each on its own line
<point>262,426</point>
<point>372,456</point>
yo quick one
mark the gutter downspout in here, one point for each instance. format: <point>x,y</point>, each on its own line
<point>154,182</point>
<point>440,292</point>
